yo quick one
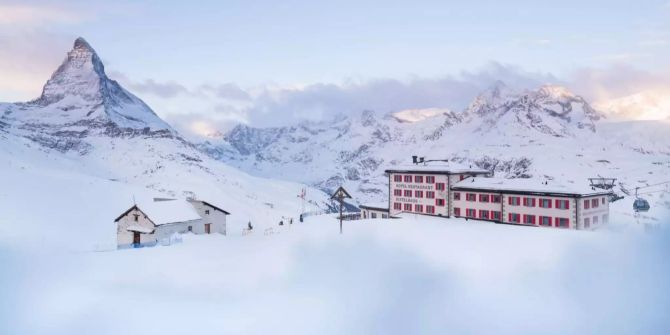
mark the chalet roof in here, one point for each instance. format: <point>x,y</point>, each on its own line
<point>213,206</point>
<point>441,168</point>
<point>165,212</point>
<point>527,186</point>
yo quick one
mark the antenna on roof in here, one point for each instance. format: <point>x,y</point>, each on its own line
<point>416,160</point>
<point>134,203</point>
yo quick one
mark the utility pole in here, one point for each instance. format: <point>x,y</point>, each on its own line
<point>340,195</point>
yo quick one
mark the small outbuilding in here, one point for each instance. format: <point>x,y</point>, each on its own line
<point>374,211</point>
<point>150,222</point>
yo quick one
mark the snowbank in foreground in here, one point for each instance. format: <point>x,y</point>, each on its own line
<point>409,276</point>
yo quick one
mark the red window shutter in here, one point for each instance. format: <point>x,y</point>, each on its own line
<point>549,201</point>
<point>509,200</point>
<point>509,217</point>
<point>567,206</point>
<point>533,202</point>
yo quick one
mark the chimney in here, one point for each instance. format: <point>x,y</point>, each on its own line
<point>414,159</point>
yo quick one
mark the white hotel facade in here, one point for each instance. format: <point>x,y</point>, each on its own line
<point>471,193</point>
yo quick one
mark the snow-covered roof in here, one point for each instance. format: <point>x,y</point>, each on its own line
<point>376,205</point>
<point>445,168</point>
<point>527,185</point>
<point>165,211</point>
<point>139,229</point>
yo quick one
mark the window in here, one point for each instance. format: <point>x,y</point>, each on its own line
<point>408,193</point>
<point>514,217</point>
<point>207,211</point>
<point>418,179</point>
<point>397,193</point>
<point>418,194</point>
<point>594,203</point>
<point>190,228</point>
<point>457,211</point>
<point>397,206</point>
<point>602,200</point>
<point>529,202</point>
<point>562,204</point>
<point>430,179</point>
<point>418,208</point>
<point>457,196</point>
<point>136,217</point>
<point>514,201</point>
<point>545,203</point>
<point>470,197</point>
<point>484,214</point>
<point>545,221</point>
<point>439,186</point>
<point>385,216</point>
<point>408,179</point>
<point>587,204</point>
<point>430,209</point>
<point>595,220</point>
<point>483,198</point>
<point>529,219</point>
<point>439,202</point>
<point>587,223</point>
<point>430,194</point>
<point>471,213</point>
<point>562,222</point>
<point>496,198</point>
<point>373,215</point>
<point>397,178</point>
<point>408,207</point>
<point>495,215</point>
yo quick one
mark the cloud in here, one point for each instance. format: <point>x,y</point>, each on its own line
<point>22,14</point>
<point>227,91</point>
<point>319,101</point>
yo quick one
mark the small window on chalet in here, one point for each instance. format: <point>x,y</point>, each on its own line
<point>207,211</point>
<point>136,217</point>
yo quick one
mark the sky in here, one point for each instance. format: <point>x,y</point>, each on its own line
<point>265,63</point>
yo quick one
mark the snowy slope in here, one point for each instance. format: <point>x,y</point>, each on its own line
<point>417,275</point>
<point>544,133</point>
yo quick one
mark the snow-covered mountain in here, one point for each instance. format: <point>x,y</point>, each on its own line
<point>548,132</point>
<point>77,155</point>
<point>79,101</point>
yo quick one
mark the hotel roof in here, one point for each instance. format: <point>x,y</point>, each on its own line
<point>448,168</point>
<point>528,186</point>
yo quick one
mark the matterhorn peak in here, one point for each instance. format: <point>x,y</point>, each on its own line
<point>80,74</point>
<point>80,43</point>
<point>80,93</point>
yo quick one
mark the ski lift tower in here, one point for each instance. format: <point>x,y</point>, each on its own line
<point>605,184</point>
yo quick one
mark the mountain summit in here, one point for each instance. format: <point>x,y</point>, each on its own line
<point>79,95</point>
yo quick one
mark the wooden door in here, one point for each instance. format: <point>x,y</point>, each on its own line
<point>208,228</point>
<point>136,238</point>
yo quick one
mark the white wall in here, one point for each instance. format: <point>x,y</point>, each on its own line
<point>216,218</point>
<point>601,212</point>
<point>367,214</point>
<point>125,237</point>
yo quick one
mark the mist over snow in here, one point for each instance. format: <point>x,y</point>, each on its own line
<point>414,275</point>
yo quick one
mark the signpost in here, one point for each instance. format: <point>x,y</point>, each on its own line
<point>340,195</point>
